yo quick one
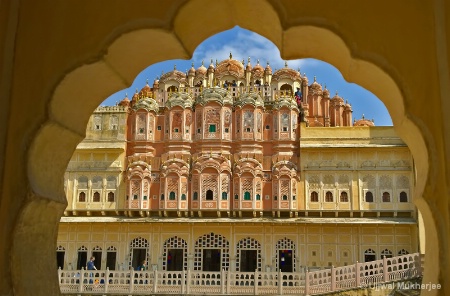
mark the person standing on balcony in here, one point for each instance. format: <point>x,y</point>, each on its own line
<point>90,265</point>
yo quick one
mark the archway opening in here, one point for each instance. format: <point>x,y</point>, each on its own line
<point>32,170</point>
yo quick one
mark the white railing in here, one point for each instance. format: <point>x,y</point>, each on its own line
<point>359,275</point>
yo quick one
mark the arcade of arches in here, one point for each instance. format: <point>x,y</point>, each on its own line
<point>55,72</point>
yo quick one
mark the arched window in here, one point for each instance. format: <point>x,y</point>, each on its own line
<point>111,197</point>
<point>344,196</point>
<point>81,197</point>
<point>286,89</point>
<point>224,196</point>
<point>183,196</point>
<point>386,197</point>
<point>258,197</point>
<point>369,255</point>
<point>195,197</point>
<point>329,196</point>
<point>172,88</point>
<point>314,197</point>
<point>209,195</point>
<point>403,252</point>
<point>403,197</point>
<point>369,196</point>
<point>247,195</point>
<point>386,253</point>
<point>96,197</point>
<point>285,197</point>
<point>172,195</point>
<point>162,196</point>
<point>236,196</point>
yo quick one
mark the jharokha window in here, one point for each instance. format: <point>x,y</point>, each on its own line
<point>82,197</point>
<point>403,197</point>
<point>329,196</point>
<point>96,197</point>
<point>386,197</point>
<point>111,197</point>
<point>369,196</point>
<point>314,197</point>
<point>344,196</point>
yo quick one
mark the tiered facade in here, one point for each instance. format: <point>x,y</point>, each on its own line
<point>233,166</point>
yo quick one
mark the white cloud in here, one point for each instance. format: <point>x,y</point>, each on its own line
<point>244,45</point>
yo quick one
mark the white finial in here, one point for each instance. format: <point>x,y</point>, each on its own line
<point>174,67</point>
<point>285,64</point>
<point>257,61</point>
<point>231,56</point>
<point>248,60</point>
<point>315,78</point>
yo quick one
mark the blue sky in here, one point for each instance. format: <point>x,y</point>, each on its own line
<point>243,44</point>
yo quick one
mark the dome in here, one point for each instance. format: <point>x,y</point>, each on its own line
<point>268,69</point>
<point>286,73</point>
<point>135,96</point>
<point>363,122</point>
<point>326,92</point>
<point>125,101</point>
<point>249,66</point>
<point>258,70</point>
<point>191,71</point>
<point>229,67</point>
<point>337,99</point>
<point>146,89</point>
<point>211,66</point>
<point>155,83</point>
<point>348,106</point>
<point>174,75</point>
<point>201,70</point>
<point>315,85</point>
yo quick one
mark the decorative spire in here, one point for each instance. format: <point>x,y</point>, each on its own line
<point>257,61</point>
<point>174,67</point>
<point>216,63</point>
<point>146,81</point>
<point>192,64</point>
<point>248,60</point>
<point>162,73</point>
<point>363,116</point>
<point>336,93</point>
<point>315,78</point>
<point>325,86</point>
<point>285,64</point>
<point>231,56</point>
<point>203,62</point>
<point>243,62</point>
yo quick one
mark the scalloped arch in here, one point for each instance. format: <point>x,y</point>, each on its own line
<point>54,143</point>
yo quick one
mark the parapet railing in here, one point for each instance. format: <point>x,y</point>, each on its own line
<point>188,282</point>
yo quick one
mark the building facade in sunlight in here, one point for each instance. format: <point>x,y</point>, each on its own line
<point>236,167</point>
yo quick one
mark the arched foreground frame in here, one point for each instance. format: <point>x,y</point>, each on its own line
<point>89,84</point>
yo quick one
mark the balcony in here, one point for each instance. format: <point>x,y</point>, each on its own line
<point>187,282</point>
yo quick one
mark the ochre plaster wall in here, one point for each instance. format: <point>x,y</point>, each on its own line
<point>60,59</point>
